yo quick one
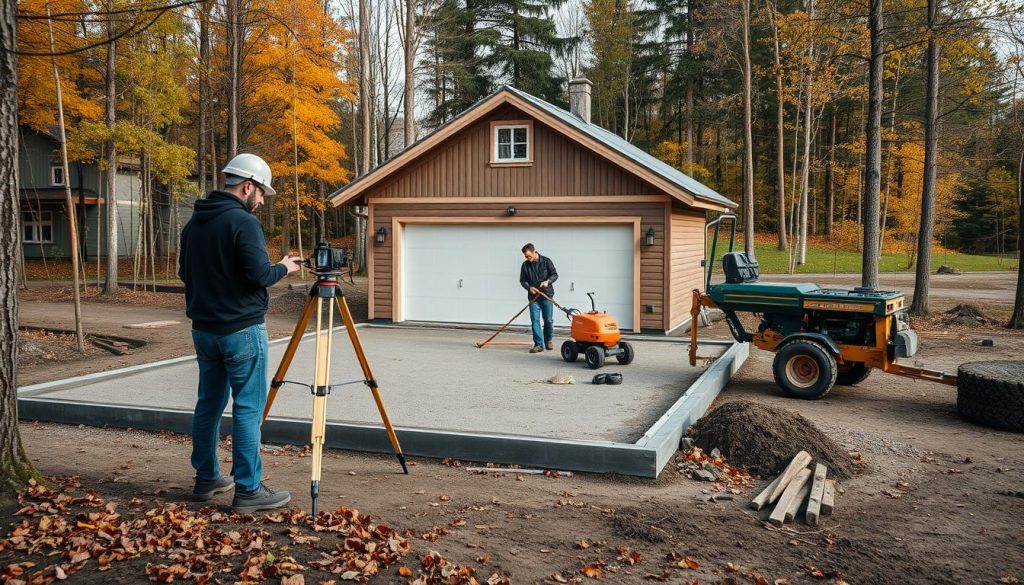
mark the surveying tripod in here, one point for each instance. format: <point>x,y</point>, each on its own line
<point>320,295</point>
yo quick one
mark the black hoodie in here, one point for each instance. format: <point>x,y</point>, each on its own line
<point>225,266</point>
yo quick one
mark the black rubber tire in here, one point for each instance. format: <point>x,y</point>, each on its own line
<point>570,351</point>
<point>594,356</point>
<point>852,373</point>
<point>992,394</point>
<point>626,357</point>
<point>821,377</point>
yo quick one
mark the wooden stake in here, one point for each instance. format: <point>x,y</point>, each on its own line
<point>762,498</point>
<point>799,462</point>
<point>798,501</point>
<point>828,498</point>
<point>790,494</point>
<point>817,491</point>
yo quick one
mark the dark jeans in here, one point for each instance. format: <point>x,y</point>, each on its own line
<point>537,308</point>
<point>232,365</point>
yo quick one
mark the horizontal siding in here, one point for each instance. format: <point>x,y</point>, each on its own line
<point>652,272</point>
<point>460,167</point>
<point>686,252</point>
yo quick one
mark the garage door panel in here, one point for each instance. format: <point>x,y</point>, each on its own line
<point>486,259</point>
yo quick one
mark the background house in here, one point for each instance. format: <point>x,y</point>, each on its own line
<point>449,215</point>
<point>44,225</point>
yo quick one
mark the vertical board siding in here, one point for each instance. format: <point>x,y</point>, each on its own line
<point>460,167</point>
<point>686,252</point>
<point>652,272</point>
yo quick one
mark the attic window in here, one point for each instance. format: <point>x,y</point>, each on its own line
<point>57,176</point>
<point>512,143</point>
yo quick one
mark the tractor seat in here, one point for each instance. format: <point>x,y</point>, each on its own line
<point>740,267</point>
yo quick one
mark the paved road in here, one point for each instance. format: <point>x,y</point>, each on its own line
<point>994,287</point>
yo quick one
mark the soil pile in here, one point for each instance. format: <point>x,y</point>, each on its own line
<point>966,314</point>
<point>763,439</point>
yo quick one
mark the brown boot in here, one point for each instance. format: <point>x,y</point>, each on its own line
<point>536,349</point>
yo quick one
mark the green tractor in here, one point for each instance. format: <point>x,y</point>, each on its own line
<point>821,337</point>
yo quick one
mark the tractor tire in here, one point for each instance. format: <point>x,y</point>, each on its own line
<point>852,373</point>
<point>594,356</point>
<point>804,369</point>
<point>992,394</point>
<point>570,351</point>
<point>626,357</point>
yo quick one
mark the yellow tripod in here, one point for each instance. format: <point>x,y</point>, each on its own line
<point>322,292</point>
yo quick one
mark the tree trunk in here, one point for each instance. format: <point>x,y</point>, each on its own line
<point>365,113</point>
<point>72,222</point>
<point>1017,317</point>
<point>234,74</point>
<point>805,172</point>
<point>873,160</point>
<point>110,282</point>
<point>689,89</point>
<point>409,121</point>
<point>15,468</point>
<point>204,92</point>
<point>889,159</point>
<point>922,278</point>
<point>780,136</point>
<point>748,139</point>
<point>830,179</point>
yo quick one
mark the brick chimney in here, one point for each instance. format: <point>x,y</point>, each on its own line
<point>579,97</point>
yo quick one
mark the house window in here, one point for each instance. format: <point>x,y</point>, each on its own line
<point>37,227</point>
<point>512,143</point>
<point>57,176</point>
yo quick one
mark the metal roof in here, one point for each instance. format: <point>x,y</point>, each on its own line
<point>613,141</point>
<point>676,177</point>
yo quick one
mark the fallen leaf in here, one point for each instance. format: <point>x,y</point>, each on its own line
<point>405,571</point>
<point>583,544</point>
<point>658,577</point>
<point>293,580</point>
<point>558,578</point>
<point>592,571</point>
<point>688,563</point>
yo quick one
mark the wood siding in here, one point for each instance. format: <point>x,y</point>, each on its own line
<point>652,258</point>
<point>686,252</point>
<point>461,167</point>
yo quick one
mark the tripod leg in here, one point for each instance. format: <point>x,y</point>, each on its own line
<point>321,388</point>
<point>289,353</point>
<point>357,345</point>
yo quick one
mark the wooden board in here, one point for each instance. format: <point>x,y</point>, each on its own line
<point>798,502</point>
<point>762,498</point>
<point>816,492</point>
<point>791,493</point>
<point>828,497</point>
<point>799,462</point>
<point>151,324</point>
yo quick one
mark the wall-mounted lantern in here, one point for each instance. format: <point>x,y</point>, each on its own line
<point>649,236</point>
<point>382,234</point>
<point>510,211</point>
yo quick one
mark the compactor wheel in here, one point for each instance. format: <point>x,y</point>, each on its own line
<point>804,369</point>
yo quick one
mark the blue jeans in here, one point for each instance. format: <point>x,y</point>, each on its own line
<point>538,307</point>
<point>233,365</point>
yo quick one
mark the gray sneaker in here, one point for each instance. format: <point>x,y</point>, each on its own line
<point>206,489</point>
<point>263,498</point>
<point>536,349</point>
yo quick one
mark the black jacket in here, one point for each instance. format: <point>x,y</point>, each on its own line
<point>534,273</point>
<point>225,266</point>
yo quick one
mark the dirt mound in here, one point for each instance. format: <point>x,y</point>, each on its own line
<point>966,314</point>
<point>763,439</point>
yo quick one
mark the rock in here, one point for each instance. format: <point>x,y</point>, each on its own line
<point>685,443</point>
<point>987,342</point>
<point>704,475</point>
<point>712,469</point>
<point>561,379</point>
<point>715,453</point>
<point>947,269</point>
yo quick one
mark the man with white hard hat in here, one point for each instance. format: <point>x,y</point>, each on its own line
<point>226,270</point>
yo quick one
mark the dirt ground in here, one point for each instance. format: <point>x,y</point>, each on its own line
<point>926,508</point>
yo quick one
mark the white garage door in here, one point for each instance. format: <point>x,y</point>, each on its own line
<point>470,273</point>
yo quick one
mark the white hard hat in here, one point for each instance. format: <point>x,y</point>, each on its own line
<point>249,167</point>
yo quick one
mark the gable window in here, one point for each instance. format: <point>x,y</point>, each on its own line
<point>512,143</point>
<point>57,176</point>
<point>37,227</point>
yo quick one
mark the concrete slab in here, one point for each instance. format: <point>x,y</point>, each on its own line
<point>446,397</point>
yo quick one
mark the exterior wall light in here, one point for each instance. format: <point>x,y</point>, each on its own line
<point>382,234</point>
<point>510,211</point>
<point>649,236</point>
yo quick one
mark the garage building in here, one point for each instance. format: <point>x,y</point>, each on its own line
<point>449,214</point>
